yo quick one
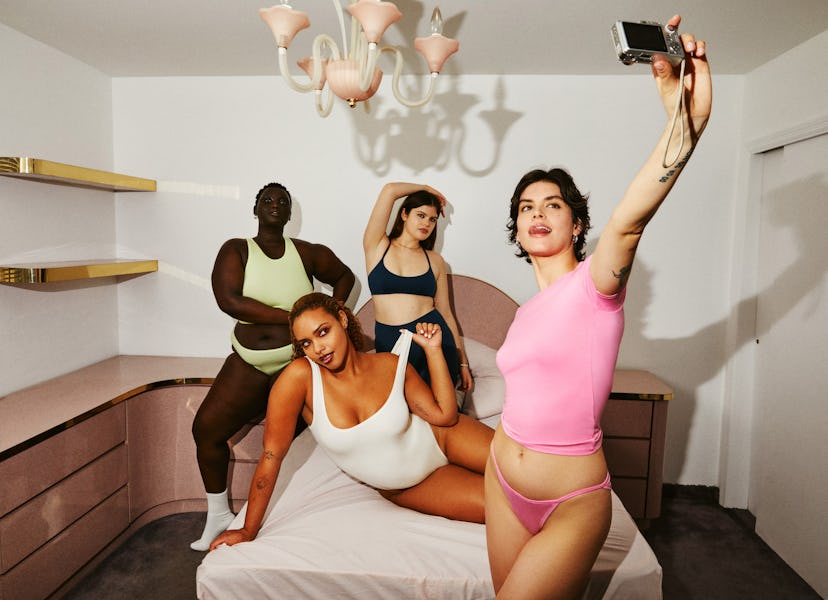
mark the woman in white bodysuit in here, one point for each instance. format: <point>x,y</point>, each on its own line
<point>434,458</point>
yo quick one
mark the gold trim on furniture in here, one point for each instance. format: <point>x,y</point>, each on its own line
<point>72,271</point>
<point>47,171</point>
<point>147,387</point>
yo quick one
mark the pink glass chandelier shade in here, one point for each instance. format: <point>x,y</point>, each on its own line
<point>374,17</point>
<point>436,49</point>
<point>344,81</point>
<point>284,22</point>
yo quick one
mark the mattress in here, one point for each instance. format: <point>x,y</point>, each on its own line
<point>325,535</point>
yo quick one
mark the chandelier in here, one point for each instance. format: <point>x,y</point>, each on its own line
<point>354,76</point>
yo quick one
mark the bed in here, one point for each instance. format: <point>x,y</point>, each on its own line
<point>326,535</point>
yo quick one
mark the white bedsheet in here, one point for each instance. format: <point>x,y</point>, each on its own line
<point>328,536</point>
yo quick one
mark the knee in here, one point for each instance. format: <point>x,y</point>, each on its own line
<point>205,433</point>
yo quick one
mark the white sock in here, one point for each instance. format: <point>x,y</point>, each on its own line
<point>219,516</point>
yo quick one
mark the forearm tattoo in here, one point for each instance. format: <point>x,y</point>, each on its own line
<point>262,483</point>
<point>677,167</point>
<point>268,455</point>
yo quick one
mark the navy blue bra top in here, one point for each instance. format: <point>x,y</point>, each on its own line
<point>383,281</point>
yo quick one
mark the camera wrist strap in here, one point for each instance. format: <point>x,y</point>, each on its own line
<point>676,114</point>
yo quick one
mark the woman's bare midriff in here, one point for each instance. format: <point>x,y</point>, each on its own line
<point>542,476</point>
<point>399,309</point>
<point>255,336</point>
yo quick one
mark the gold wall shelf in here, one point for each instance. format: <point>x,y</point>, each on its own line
<point>47,171</point>
<point>72,271</point>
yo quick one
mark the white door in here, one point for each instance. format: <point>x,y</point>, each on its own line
<point>789,482</point>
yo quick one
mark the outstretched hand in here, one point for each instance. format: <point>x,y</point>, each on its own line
<point>697,85</point>
<point>428,335</point>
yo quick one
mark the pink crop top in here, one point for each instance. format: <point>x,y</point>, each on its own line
<point>558,362</point>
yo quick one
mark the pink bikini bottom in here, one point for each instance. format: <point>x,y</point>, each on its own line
<point>533,513</point>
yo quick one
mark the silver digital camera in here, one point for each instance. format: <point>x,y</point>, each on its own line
<point>638,42</point>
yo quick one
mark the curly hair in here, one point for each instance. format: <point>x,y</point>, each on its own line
<point>331,306</point>
<point>412,201</point>
<point>573,198</point>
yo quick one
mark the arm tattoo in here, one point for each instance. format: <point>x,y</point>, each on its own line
<point>623,273</point>
<point>262,483</point>
<point>677,167</point>
<point>268,455</point>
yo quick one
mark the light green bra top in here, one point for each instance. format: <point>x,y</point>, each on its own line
<point>277,282</point>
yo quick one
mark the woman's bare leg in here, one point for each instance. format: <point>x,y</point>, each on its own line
<point>451,491</point>
<point>505,535</point>
<point>454,491</point>
<point>466,443</point>
<point>238,395</point>
<point>555,563</point>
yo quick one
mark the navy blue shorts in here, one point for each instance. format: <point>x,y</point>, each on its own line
<point>385,336</point>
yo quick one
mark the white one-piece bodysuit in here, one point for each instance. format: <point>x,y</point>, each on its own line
<point>392,449</point>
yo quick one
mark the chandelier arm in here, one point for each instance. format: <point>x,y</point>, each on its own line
<point>356,33</point>
<point>318,67</point>
<point>367,60</point>
<point>395,81</point>
<point>324,39</point>
<point>324,110</point>
<point>338,9</point>
<point>285,72</point>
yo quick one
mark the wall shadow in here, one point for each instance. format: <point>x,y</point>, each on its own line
<point>435,137</point>
<point>702,355</point>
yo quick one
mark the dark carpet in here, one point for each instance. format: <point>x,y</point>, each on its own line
<point>707,553</point>
<point>712,553</point>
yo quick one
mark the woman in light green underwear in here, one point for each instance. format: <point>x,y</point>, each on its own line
<point>255,281</point>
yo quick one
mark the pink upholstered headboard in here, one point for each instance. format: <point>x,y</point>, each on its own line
<point>483,312</point>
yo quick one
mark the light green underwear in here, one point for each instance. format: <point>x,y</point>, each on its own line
<point>266,361</point>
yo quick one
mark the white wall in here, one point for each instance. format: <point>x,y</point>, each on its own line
<point>213,142</point>
<point>785,102</point>
<point>58,109</point>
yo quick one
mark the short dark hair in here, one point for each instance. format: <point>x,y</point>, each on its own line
<point>331,306</point>
<point>416,200</point>
<point>573,198</point>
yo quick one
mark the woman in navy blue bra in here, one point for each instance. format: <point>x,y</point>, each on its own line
<point>407,278</point>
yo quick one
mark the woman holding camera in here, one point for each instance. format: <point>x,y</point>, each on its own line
<point>548,502</point>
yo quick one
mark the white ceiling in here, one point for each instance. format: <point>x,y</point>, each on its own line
<point>226,37</point>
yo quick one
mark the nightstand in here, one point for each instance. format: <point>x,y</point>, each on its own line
<point>634,424</point>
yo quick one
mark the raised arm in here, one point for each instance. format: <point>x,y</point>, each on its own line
<point>375,238</point>
<point>614,254</point>
<point>286,401</point>
<point>437,405</point>
<point>228,284</point>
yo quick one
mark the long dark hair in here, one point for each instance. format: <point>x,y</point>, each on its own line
<point>331,306</point>
<point>573,198</point>
<point>416,200</point>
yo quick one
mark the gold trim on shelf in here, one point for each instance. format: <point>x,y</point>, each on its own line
<point>72,271</point>
<point>47,171</point>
